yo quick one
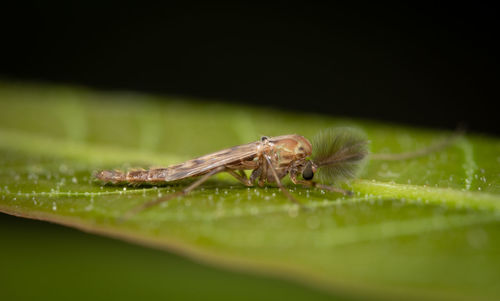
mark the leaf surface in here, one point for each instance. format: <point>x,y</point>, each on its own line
<point>423,228</point>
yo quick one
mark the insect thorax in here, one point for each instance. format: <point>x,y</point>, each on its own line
<point>285,153</point>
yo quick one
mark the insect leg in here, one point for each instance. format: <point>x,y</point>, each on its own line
<point>255,174</point>
<point>420,152</point>
<point>263,172</point>
<point>240,177</point>
<point>242,173</point>
<point>183,192</point>
<point>319,185</point>
<point>325,187</point>
<point>280,185</point>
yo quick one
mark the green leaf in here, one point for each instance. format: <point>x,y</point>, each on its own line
<point>421,228</point>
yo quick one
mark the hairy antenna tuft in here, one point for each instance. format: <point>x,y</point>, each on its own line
<point>339,153</point>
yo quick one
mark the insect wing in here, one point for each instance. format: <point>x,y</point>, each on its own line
<point>208,162</point>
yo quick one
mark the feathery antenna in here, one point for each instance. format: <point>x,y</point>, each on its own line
<point>339,153</point>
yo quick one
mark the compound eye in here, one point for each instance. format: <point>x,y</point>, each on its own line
<point>308,173</point>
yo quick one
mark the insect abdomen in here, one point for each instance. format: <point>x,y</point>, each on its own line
<point>133,176</point>
<point>111,176</point>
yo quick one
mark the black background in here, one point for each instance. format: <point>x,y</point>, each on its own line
<point>422,64</point>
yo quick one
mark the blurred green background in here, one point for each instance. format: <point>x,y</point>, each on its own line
<point>43,261</point>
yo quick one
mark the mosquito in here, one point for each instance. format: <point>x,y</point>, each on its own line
<point>335,155</point>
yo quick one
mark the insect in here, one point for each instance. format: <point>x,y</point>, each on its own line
<point>335,155</point>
